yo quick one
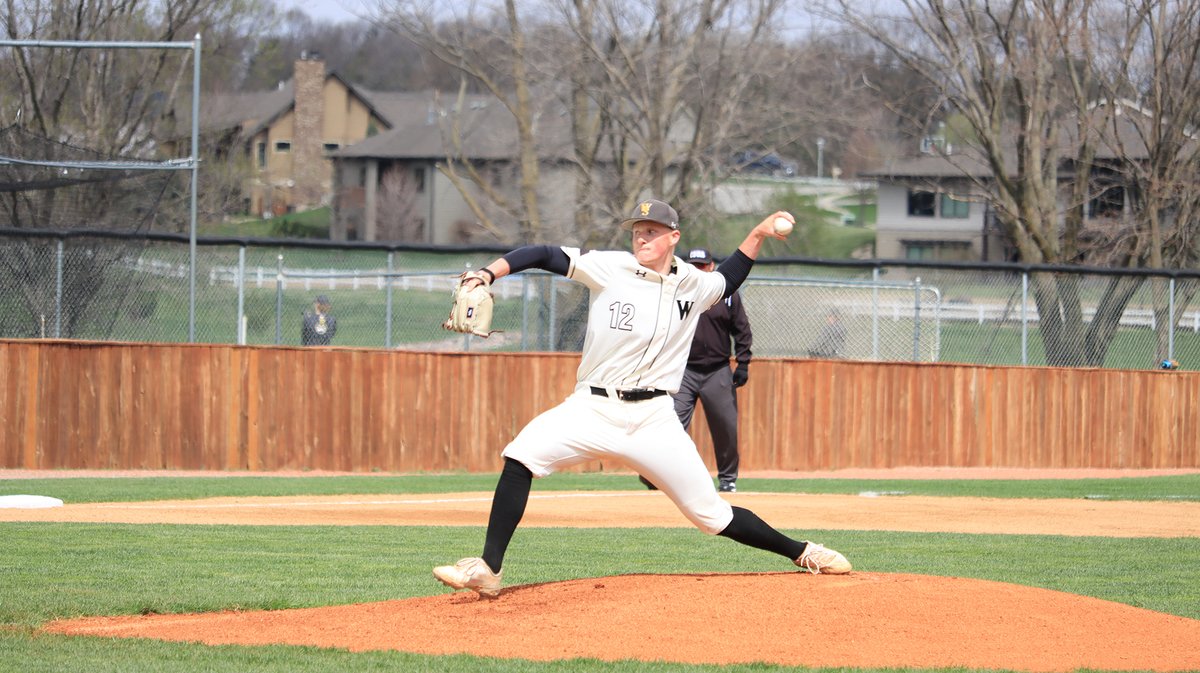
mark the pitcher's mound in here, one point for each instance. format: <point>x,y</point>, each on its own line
<point>859,620</point>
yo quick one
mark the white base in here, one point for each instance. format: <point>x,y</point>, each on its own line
<point>29,502</point>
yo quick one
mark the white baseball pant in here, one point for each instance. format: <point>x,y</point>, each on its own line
<point>645,436</point>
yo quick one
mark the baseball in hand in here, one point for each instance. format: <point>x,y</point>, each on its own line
<point>783,226</point>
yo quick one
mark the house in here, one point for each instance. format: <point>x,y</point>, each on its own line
<point>375,157</point>
<point>288,133</point>
<point>390,186</point>
<point>929,208</point>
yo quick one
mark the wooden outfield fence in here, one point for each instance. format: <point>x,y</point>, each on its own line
<point>83,404</point>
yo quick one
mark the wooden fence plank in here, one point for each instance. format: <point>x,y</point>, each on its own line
<point>32,449</point>
<point>224,407</point>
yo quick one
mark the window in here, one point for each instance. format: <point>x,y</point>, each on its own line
<point>331,147</point>
<point>1110,203</point>
<point>283,146</point>
<point>419,179</point>
<point>261,155</point>
<point>955,207</point>
<point>918,251</point>
<point>940,251</point>
<point>921,204</point>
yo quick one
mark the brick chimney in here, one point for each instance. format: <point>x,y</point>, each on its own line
<point>308,161</point>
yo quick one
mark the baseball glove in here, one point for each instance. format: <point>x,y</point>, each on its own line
<point>471,308</point>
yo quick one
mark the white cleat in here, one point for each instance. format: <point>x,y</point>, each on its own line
<point>817,559</point>
<point>470,573</point>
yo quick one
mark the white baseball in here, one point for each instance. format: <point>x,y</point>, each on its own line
<point>783,226</point>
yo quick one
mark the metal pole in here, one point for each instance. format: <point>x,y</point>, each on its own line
<point>195,175</point>
<point>279,302</point>
<point>241,294</point>
<point>1171,324</point>
<point>97,44</point>
<point>1025,318</point>
<point>917,319</point>
<point>875,313</point>
<point>387,337</point>
<point>58,291</point>
<point>552,334</point>
<point>937,325</point>
<point>524,312</point>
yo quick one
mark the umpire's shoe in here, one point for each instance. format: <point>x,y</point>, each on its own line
<point>817,559</point>
<point>470,573</point>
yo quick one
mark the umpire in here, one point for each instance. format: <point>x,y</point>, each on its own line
<point>709,379</point>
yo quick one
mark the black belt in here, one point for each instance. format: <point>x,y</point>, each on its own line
<point>635,395</point>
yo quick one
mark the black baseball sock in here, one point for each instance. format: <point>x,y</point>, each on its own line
<point>508,506</point>
<point>752,531</point>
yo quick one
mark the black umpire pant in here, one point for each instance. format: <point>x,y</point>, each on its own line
<point>716,392</point>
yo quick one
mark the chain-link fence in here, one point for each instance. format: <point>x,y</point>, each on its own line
<point>136,288</point>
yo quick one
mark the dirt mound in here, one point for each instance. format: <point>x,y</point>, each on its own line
<point>859,620</point>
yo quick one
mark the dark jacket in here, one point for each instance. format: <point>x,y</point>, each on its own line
<point>711,346</point>
<point>318,329</point>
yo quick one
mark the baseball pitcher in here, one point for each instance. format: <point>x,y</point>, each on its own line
<point>643,310</point>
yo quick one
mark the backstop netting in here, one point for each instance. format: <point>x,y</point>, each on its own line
<point>52,288</point>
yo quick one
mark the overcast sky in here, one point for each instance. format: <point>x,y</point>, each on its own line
<point>327,10</point>
<point>350,10</point>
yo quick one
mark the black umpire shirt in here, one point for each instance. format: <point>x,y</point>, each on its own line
<point>710,347</point>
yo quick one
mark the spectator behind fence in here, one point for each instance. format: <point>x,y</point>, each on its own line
<point>319,325</point>
<point>831,339</point>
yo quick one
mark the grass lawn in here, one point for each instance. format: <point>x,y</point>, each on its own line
<point>51,570</point>
<point>308,224</point>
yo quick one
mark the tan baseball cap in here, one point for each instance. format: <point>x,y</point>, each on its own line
<point>652,210</point>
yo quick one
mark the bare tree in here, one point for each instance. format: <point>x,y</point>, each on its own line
<point>111,101</point>
<point>90,105</point>
<point>491,52</point>
<point>660,93</point>
<point>399,219</point>
<point>1023,77</point>
<point>651,93</point>
<point>1151,86</point>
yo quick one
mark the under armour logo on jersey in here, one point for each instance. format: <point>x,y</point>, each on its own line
<point>640,274</point>
<point>685,307</point>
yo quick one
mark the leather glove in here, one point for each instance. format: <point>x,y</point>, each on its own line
<point>741,375</point>
<point>471,308</point>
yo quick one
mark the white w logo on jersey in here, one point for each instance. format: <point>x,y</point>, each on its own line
<point>685,307</point>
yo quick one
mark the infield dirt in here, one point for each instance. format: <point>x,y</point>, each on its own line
<point>865,619</point>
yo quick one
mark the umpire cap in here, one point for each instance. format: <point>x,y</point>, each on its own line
<point>699,256</point>
<point>652,210</point>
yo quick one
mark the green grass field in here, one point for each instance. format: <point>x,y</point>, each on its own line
<point>308,224</point>
<point>51,570</point>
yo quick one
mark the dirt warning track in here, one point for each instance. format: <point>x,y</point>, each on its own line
<point>624,509</point>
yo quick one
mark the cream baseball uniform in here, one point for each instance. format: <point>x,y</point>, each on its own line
<point>639,332</point>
